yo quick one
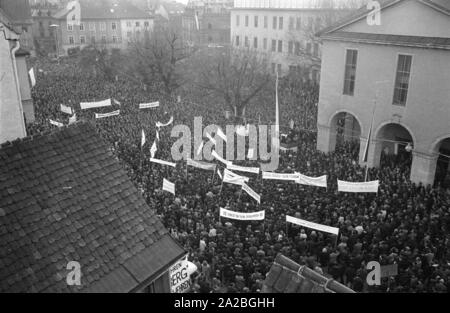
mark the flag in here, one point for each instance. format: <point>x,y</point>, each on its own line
<point>221,135</point>
<point>143,139</point>
<point>32,77</point>
<point>168,186</point>
<point>73,118</point>
<point>153,149</point>
<point>366,148</point>
<point>197,24</point>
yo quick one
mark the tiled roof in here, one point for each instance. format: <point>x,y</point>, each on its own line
<point>400,40</point>
<point>18,11</point>
<point>64,197</point>
<point>286,276</point>
<point>93,10</point>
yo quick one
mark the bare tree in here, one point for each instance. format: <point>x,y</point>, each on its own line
<point>236,75</point>
<point>159,56</point>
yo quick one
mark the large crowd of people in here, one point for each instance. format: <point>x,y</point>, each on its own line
<point>403,223</point>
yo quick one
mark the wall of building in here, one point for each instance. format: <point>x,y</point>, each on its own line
<point>427,111</point>
<point>25,90</point>
<point>12,124</point>
<point>297,34</point>
<point>92,29</point>
<point>134,30</point>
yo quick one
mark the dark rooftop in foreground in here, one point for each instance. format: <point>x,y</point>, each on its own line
<point>286,276</point>
<point>64,197</point>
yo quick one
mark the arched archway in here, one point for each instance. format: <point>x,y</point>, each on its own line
<point>345,132</point>
<point>442,174</point>
<point>394,143</point>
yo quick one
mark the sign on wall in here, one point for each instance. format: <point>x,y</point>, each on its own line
<point>179,275</point>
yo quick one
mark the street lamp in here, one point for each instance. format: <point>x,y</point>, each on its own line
<point>54,26</point>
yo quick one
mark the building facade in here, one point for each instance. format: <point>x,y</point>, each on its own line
<point>14,83</point>
<point>114,26</point>
<point>44,30</point>
<point>207,23</point>
<point>284,31</point>
<point>394,76</point>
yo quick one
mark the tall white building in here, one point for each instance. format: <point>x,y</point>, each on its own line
<point>285,31</point>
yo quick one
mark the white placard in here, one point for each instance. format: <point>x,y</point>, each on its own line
<point>254,170</point>
<point>97,104</point>
<point>162,162</point>
<point>370,186</point>
<point>168,186</point>
<point>251,193</point>
<point>320,227</point>
<point>149,105</point>
<point>179,275</point>
<point>255,216</point>
<point>56,123</point>
<point>109,114</point>
<point>312,181</point>
<point>201,165</point>
<point>66,109</point>
<point>280,176</point>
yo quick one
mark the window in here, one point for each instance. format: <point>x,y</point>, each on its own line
<point>69,27</point>
<point>91,26</point>
<point>82,39</point>
<point>280,22</point>
<point>290,47</point>
<point>256,20</point>
<point>265,43</point>
<point>128,24</point>
<point>103,26</point>
<point>298,23</point>
<point>41,24</point>
<point>280,46</point>
<point>81,26</point>
<point>146,24</point>
<point>103,39</point>
<point>246,41</point>
<point>308,48</point>
<point>273,67</point>
<point>237,41</point>
<point>402,79</point>
<point>316,49</point>
<point>237,20</point>
<point>255,42</point>
<point>350,72</point>
<point>274,45</point>
<point>138,24</point>
<point>246,21</point>
<point>114,26</point>
<point>93,39</point>
<point>297,48</point>
<point>265,22</point>
<point>291,23</point>
<point>274,23</point>
<point>71,40</point>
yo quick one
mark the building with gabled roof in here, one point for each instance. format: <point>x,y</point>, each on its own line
<point>286,276</point>
<point>390,80</point>
<point>105,24</point>
<point>65,197</point>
